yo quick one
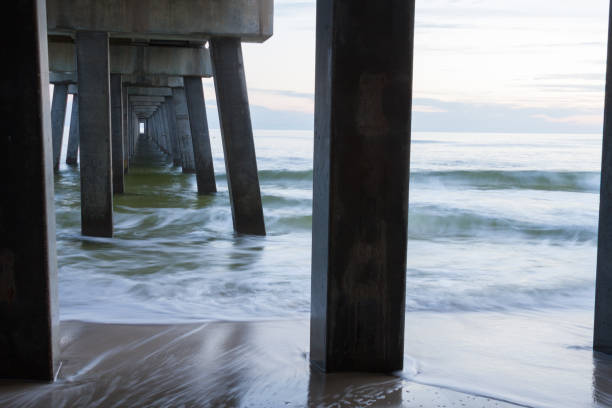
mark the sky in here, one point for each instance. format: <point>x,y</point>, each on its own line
<point>479,65</point>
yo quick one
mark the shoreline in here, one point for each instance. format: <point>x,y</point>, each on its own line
<point>262,364</point>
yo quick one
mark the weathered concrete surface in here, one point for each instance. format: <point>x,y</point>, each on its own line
<point>139,98</point>
<point>139,91</point>
<point>135,59</point>
<point>95,134</point>
<point>194,20</point>
<point>202,153</point>
<point>28,269</point>
<point>183,130</point>
<point>62,78</point>
<point>126,126</point>
<point>58,115</point>
<point>73,135</point>
<point>237,136</point>
<point>153,81</point>
<point>602,339</point>
<point>177,158</point>
<point>363,100</point>
<point>117,132</point>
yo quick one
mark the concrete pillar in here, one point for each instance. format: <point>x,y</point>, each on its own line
<point>202,153</point>
<point>95,134</point>
<point>171,118</point>
<point>73,134</point>
<point>126,129</point>
<point>602,339</point>
<point>29,328</point>
<point>183,129</point>
<point>363,98</point>
<point>237,136</point>
<point>58,115</point>
<point>117,132</point>
<point>163,117</point>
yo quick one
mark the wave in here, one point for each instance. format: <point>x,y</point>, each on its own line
<point>582,181</point>
<point>429,222</point>
<point>578,181</point>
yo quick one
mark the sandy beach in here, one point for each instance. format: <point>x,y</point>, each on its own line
<point>265,364</point>
<point>220,364</point>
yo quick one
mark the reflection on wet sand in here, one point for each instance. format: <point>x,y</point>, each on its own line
<point>602,379</point>
<point>217,364</point>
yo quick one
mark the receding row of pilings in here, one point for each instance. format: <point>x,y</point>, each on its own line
<point>175,117</point>
<point>361,178</point>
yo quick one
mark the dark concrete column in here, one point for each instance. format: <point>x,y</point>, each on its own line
<point>166,129</point>
<point>117,132</point>
<point>363,98</point>
<point>602,339</point>
<point>29,328</point>
<point>73,134</point>
<point>237,136</point>
<point>183,129</point>
<point>126,129</point>
<point>202,153</point>
<point>171,114</point>
<point>95,134</point>
<point>58,115</point>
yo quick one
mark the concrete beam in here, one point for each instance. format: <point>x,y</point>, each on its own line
<point>153,81</point>
<point>29,315</point>
<point>183,20</point>
<point>133,59</point>
<point>137,98</point>
<point>62,78</point>
<point>137,80</point>
<point>137,91</point>
<point>363,102</point>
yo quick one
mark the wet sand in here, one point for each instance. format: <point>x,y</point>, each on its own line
<point>216,364</point>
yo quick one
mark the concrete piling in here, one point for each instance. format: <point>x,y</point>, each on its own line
<point>58,115</point>
<point>602,337</point>
<point>95,133</point>
<point>237,136</point>
<point>360,196</point>
<point>29,332</point>
<point>183,129</point>
<point>126,128</point>
<point>171,118</point>
<point>117,132</point>
<point>73,134</point>
<point>202,153</point>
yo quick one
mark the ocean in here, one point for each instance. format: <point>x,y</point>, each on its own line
<point>501,257</point>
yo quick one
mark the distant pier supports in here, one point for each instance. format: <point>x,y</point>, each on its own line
<point>29,329</point>
<point>363,102</point>
<point>58,115</point>
<point>183,129</point>
<point>117,132</point>
<point>237,136</point>
<point>95,133</point>
<point>602,339</point>
<point>171,120</point>
<point>126,128</point>
<point>73,135</point>
<point>202,153</point>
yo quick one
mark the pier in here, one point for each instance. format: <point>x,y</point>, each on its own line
<point>134,70</point>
